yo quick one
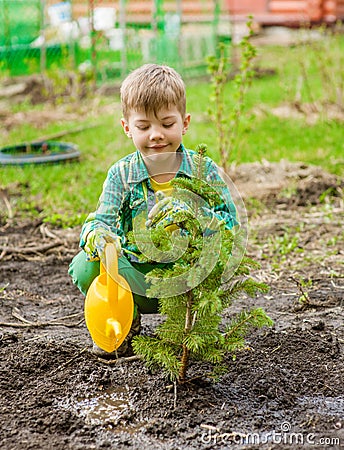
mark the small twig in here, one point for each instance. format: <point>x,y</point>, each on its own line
<point>328,387</point>
<point>336,285</point>
<point>53,323</point>
<point>46,232</point>
<point>39,336</point>
<point>175,395</point>
<point>113,362</point>
<point>304,294</point>
<point>7,204</point>
<point>34,249</point>
<point>21,318</point>
<point>70,316</point>
<point>338,338</point>
<point>40,324</point>
<point>3,253</point>
<point>275,349</point>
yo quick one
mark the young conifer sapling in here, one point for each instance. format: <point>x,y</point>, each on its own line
<point>202,279</point>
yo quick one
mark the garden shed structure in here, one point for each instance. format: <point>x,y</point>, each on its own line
<point>286,12</point>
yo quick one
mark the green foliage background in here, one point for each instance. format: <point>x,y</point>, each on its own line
<point>64,194</point>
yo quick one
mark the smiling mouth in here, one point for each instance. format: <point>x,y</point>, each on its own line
<point>157,147</point>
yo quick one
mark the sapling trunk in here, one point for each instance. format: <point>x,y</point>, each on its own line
<point>187,329</point>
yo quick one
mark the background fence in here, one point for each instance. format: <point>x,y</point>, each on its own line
<point>107,37</point>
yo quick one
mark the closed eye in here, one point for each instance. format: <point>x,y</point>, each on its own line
<point>168,125</point>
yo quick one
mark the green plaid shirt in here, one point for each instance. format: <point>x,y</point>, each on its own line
<point>127,192</point>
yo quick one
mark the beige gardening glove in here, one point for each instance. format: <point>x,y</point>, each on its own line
<point>96,240</point>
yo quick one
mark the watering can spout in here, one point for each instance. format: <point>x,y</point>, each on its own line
<point>113,326</point>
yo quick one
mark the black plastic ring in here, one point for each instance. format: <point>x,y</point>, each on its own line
<point>39,152</point>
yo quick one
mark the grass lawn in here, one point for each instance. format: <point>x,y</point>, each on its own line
<point>66,193</point>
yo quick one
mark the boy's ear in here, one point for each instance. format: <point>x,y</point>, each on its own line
<point>186,123</point>
<point>125,127</point>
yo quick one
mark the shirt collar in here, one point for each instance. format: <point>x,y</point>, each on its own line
<point>186,165</point>
<point>138,171</point>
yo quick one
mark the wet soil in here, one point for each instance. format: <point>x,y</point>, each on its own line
<point>285,390</point>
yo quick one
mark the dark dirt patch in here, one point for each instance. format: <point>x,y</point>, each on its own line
<point>286,387</point>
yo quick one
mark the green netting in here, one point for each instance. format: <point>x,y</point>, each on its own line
<point>20,21</point>
<point>31,41</point>
<point>21,51</point>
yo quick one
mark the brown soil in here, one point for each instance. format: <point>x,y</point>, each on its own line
<point>311,113</point>
<point>286,386</point>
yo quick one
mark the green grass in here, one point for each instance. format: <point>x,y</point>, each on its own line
<point>64,194</point>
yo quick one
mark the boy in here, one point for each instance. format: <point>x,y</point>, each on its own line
<point>154,116</point>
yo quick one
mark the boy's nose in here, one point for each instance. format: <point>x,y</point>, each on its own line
<point>156,133</point>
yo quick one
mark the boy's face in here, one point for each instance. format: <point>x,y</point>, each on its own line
<point>156,134</point>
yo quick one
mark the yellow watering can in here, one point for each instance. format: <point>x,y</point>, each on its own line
<point>109,306</point>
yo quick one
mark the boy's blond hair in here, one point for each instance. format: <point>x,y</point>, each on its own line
<point>152,87</point>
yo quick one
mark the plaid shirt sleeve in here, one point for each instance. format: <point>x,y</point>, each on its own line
<point>107,214</point>
<point>227,210</point>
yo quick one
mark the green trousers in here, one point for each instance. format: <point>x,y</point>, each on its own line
<point>83,272</point>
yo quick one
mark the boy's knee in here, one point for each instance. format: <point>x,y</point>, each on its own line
<point>83,272</point>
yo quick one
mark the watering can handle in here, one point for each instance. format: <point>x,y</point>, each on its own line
<point>111,268</point>
<point>108,261</point>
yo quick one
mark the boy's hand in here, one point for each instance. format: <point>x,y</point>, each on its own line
<point>96,240</point>
<point>166,211</point>
<point>169,210</point>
